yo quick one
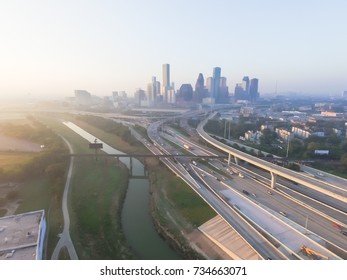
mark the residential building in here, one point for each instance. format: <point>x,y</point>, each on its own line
<point>284,134</point>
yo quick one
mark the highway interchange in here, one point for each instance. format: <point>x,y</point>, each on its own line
<point>292,211</point>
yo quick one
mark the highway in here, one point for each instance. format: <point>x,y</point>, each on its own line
<point>274,224</point>
<point>307,181</point>
<point>248,233</point>
<point>300,208</point>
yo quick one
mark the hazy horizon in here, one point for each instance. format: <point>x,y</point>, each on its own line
<point>50,48</point>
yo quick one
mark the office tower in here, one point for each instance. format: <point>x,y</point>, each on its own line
<point>166,75</point>
<point>150,92</point>
<point>171,96</point>
<point>253,90</point>
<point>154,89</point>
<point>245,85</point>
<point>199,82</point>
<point>166,81</point>
<point>200,90</point>
<point>115,95</point>
<point>223,82</point>
<point>239,92</point>
<point>186,92</point>
<point>83,97</point>
<point>209,85</point>
<point>158,88</point>
<point>223,91</point>
<point>216,81</point>
<point>139,96</point>
<point>123,94</point>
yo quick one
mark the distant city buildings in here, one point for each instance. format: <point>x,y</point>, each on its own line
<point>83,97</point>
<point>212,90</point>
<point>247,90</point>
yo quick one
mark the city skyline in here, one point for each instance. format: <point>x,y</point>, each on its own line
<point>51,48</point>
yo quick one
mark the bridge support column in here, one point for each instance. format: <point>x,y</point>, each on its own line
<point>229,159</point>
<point>236,160</point>
<point>273,180</point>
<point>131,166</point>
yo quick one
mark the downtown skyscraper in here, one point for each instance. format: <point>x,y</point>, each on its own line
<point>166,81</point>
<point>216,82</point>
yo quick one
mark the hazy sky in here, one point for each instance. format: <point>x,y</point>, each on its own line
<point>52,47</point>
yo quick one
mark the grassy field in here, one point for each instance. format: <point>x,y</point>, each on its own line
<point>11,161</point>
<point>185,201</point>
<point>34,194</point>
<point>98,189</point>
<point>177,210</point>
<point>35,189</point>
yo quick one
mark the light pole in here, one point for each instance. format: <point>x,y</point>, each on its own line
<point>288,141</point>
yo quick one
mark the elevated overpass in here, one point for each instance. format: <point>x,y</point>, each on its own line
<point>274,170</point>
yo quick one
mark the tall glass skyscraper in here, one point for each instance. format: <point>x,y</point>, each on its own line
<point>253,91</point>
<point>216,81</point>
<point>166,81</point>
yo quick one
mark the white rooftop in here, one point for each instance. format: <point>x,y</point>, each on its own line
<point>20,235</point>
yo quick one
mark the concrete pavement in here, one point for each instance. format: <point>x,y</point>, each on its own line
<point>65,239</point>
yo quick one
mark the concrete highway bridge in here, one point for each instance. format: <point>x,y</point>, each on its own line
<point>148,155</point>
<point>274,169</point>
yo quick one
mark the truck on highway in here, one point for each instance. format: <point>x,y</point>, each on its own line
<point>194,162</point>
<point>187,147</point>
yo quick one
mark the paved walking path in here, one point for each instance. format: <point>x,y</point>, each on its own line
<point>65,239</point>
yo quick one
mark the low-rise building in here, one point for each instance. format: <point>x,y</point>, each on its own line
<point>301,133</point>
<point>22,236</point>
<point>253,136</point>
<point>284,134</point>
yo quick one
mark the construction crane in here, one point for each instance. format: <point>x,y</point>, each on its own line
<point>312,253</point>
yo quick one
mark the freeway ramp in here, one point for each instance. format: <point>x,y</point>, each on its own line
<point>285,232</point>
<point>222,234</point>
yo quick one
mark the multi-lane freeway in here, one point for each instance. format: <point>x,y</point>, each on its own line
<point>275,170</point>
<point>302,213</point>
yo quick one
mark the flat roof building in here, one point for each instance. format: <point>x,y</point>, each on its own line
<point>22,236</point>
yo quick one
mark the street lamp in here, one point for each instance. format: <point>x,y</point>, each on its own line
<point>288,141</point>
